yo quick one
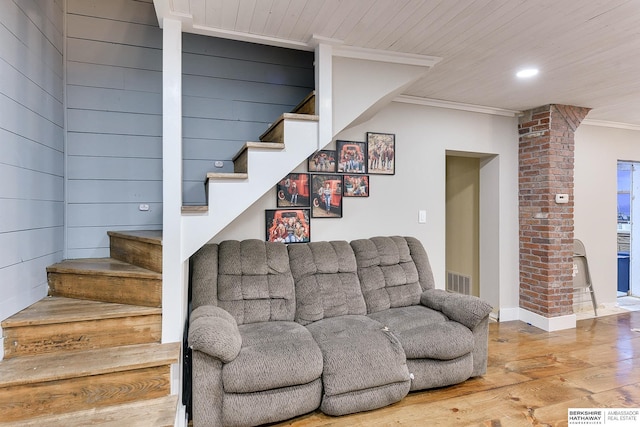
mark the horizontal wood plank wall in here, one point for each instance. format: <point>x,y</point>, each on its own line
<point>114,122</point>
<point>232,91</point>
<point>32,140</point>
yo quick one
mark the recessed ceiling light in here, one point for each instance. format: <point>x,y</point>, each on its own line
<point>527,72</point>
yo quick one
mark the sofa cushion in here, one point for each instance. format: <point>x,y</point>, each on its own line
<point>254,281</point>
<point>326,281</point>
<point>273,355</point>
<point>388,275</point>
<point>358,354</point>
<point>425,333</point>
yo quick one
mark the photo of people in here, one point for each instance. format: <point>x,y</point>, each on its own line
<point>356,186</point>
<point>287,225</point>
<point>351,157</point>
<point>381,153</point>
<point>326,194</point>
<point>293,190</point>
<point>322,161</point>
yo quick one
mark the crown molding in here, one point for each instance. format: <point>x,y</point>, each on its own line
<point>439,103</point>
<point>608,124</point>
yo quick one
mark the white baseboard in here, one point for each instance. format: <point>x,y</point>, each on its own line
<point>548,324</point>
<point>508,314</point>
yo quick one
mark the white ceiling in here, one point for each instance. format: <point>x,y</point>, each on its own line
<point>588,51</point>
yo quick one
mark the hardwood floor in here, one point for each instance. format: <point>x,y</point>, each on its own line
<point>533,377</point>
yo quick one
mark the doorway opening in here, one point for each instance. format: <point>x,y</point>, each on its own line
<point>628,233</point>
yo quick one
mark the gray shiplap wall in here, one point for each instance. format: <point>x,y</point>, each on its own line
<point>32,155</point>
<point>231,92</point>
<point>114,122</point>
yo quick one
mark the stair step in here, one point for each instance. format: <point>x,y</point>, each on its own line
<point>57,324</point>
<point>142,248</point>
<point>195,209</point>
<point>160,412</point>
<point>275,133</point>
<point>226,175</point>
<point>307,105</point>
<point>240,163</point>
<point>107,280</point>
<point>53,384</point>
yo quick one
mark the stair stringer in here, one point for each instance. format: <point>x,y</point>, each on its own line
<point>229,198</point>
<point>353,84</point>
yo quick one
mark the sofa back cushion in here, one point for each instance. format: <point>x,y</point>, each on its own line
<point>254,281</point>
<point>326,281</point>
<point>393,271</point>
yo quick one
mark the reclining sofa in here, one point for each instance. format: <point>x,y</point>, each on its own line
<point>278,331</point>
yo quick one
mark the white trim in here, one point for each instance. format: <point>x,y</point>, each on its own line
<point>508,314</point>
<point>385,56</point>
<point>324,92</point>
<point>548,324</point>
<point>605,123</point>
<point>440,103</point>
<point>246,37</point>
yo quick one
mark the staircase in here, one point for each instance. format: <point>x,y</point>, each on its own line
<point>90,352</point>
<point>258,166</point>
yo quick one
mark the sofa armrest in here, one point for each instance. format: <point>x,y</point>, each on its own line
<point>465,309</point>
<point>214,331</point>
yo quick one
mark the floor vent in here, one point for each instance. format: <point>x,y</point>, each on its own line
<point>458,283</point>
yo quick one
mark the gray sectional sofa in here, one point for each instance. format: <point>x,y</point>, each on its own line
<point>278,331</point>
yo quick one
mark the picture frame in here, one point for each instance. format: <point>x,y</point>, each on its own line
<point>323,161</point>
<point>293,191</point>
<point>288,225</point>
<point>326,188</point>
<point>355,186</point>
<point>381,153</point>
<point>351,157</point>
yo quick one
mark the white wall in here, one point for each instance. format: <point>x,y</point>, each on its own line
<point>423,136</point>
<point>597,152</point>
<point>32,141</point>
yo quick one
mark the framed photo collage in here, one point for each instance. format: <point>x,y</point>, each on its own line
<point>332,175</point>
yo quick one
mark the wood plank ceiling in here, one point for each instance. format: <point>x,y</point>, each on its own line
<point>587,51</point>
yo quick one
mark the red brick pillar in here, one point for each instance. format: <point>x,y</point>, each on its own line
<point>546,157</point>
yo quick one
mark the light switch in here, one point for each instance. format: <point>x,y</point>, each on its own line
<point>422,217</point>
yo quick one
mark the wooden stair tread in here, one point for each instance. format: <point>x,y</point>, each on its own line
<point>147,236</point>
<point>53,310</point>
<point>303,108</point>
<point>159,412</point>
<point>227,175</point>
<point>287,116</point>
<point>102,266</point>
<point>259,145</point>
<point>195,209</point>
<point>54,367</point>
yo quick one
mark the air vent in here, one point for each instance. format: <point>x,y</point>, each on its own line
<point>458,283</point>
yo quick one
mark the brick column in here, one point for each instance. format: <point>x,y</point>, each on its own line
<point>546,155</point>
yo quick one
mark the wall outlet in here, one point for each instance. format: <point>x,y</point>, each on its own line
<point>562,198</point>
<point>218,163</point>
<point>143,207</point>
